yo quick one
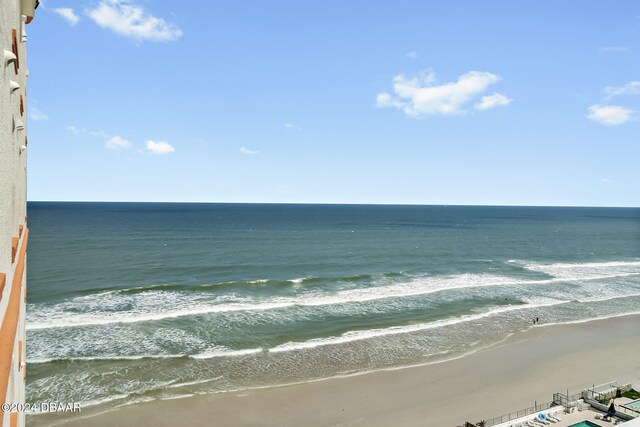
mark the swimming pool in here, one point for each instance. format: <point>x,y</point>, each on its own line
<point>635,405</point>
<point>585,424</point>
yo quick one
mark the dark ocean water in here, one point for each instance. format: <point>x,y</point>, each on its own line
<point>136,301</point>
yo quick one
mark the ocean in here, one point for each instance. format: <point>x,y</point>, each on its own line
<point>130,302</point>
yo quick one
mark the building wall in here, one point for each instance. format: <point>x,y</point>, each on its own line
<point>13,209</point>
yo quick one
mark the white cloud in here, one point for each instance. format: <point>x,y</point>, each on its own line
<point>613,49</point>
<point>421,96</point>
<point>609,115</point>
<point>291,126</point>
<point>68,14</point>
<point>245,150</point>
<point>130,20</point>
<point>631,88</point>
<point>117,143</point>
<point>83,131</point>
<point>74,130</point>
<point>99,133</point>
<point>413,54</point>
<point>38,115</point>
<point>160,147</point>
<point>383,100</point>
<point>491,101</point>
<point>606,180</point>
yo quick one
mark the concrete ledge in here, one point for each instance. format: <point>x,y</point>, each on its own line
<point>9,327</point>
<point>14,248</point>
<point>604,408</point>
<point>19,354</point>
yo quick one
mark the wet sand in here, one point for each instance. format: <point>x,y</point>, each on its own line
<point>526,368</point>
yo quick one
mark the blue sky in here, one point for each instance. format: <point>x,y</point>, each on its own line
<point>441,102</point>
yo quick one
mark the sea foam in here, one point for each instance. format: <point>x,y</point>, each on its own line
<point>159,305</point>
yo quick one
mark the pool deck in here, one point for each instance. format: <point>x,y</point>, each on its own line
<point>625,400</point>
<point>578,416</point>
<point>571,419</point>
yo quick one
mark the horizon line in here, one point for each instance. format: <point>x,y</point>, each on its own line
<point>337,204</point>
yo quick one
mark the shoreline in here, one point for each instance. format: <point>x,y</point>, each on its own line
<point>511,375</point>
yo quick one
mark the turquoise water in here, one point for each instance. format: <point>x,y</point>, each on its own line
<point>132,301</point>
<point>585,424</point>
<point>635,405</point>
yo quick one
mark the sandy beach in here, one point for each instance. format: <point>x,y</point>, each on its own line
<point>526,368</point>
